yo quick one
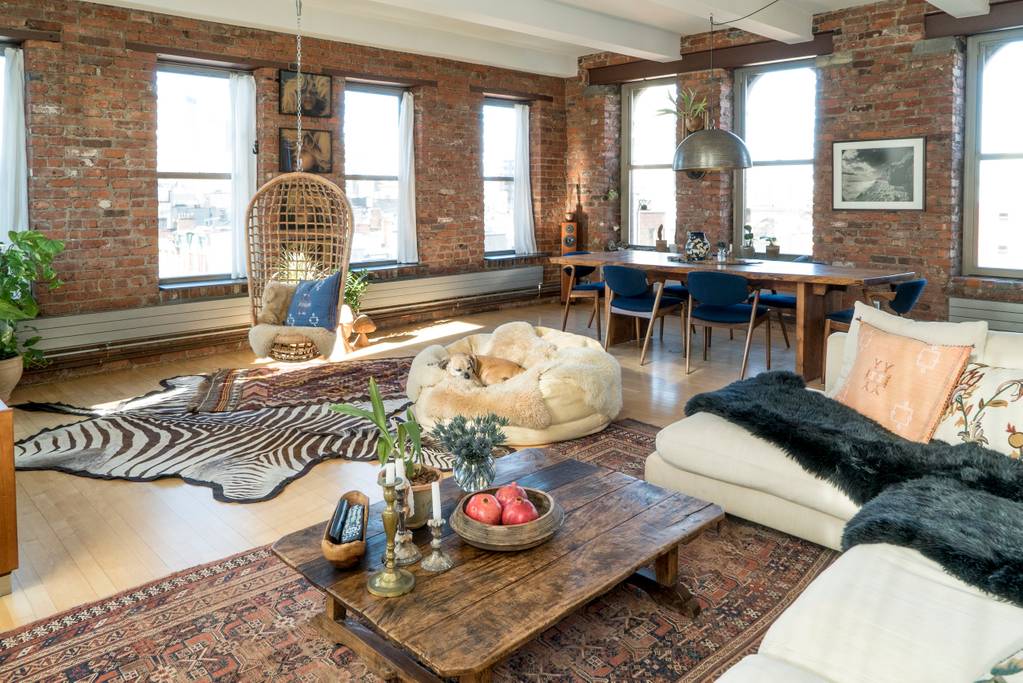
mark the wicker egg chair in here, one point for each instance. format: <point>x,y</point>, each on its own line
<point>298,227</point>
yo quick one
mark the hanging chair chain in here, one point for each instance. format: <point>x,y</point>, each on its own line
<point>298,82</point>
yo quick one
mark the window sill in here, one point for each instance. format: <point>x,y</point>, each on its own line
<point>199,284</point>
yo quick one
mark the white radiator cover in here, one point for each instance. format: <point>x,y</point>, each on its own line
<point>190,319</point>
<point>1001,316</point>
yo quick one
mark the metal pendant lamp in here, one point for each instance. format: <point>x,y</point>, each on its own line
<point>711,149</point>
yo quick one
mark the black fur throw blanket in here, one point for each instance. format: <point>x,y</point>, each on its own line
<point>961,505</point>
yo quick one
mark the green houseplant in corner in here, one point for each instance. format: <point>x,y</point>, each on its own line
<point>28,259</point>
<point>405,444</point>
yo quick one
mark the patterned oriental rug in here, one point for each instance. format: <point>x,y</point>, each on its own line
<point>250,617</point>
<point>243,433</point>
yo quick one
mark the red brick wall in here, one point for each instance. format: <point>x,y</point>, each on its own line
<point>92,149</point>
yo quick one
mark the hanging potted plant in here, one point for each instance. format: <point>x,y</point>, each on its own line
<point>689,108</point>
<point>404,444</point>
<point>26,260</point>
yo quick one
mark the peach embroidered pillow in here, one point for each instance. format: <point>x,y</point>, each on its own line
<point>902,383</point>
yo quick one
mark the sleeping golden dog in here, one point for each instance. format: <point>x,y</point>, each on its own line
<point>485,370</point>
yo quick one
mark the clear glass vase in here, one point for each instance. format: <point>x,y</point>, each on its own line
<point>474,475</point>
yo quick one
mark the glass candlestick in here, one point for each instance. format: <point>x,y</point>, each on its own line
<point>391,581</point>
<point>405,551</point>
<point>437,560</point>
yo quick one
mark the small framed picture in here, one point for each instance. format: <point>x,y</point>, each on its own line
<point>317,150</point>
<point>883,175</point>
<point>316,94</point>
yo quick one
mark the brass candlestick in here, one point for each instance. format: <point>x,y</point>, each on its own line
<point>405,551</point>
<point>391,581</point>
<point>437,560</point>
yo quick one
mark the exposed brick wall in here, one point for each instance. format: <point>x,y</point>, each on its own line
<point>92,149</point>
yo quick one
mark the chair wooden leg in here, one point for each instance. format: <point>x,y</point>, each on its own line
<point>767,345</point>
<point>824,355</point>
<point>646,339</point>
<point>592,314</point>
<point>688,326</point>
<point>706,341</point>
<point>639,332</point>
<point>731,334</point>
<point>608,296</point>
<point>662,328</point>
<point>596,312</point>
<point>568,301</point>
<point>682,321</point>
<point>749,341</point>
<point>710,337</point>
<point>652,322</point>
<point>784,331</point>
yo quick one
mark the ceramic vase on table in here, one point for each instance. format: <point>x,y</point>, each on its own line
<point>697,245</point>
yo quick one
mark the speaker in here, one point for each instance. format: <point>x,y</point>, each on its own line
<point>570,237</point>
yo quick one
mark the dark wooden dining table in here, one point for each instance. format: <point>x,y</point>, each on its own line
<point>812,283</point>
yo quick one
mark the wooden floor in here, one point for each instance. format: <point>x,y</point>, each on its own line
<point>82,539</point>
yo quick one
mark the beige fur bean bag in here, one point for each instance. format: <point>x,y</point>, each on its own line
<point>570,388</point>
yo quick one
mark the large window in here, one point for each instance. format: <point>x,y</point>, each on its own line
<point>498,177</point>
<point>648,148</point>
<point>775,114</point>
<point>993,211</point>
<point>371,141</point>
<point>194,163</point>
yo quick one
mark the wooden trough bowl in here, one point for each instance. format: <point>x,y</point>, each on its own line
<point>346,555</point>
<point>514,537</point>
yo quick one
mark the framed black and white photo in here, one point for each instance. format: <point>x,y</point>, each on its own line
<point>316,94</point>
<point>883,175</point>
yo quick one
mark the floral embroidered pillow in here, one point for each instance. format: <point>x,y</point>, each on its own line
<point>903,384</point>
<point>987,408</point>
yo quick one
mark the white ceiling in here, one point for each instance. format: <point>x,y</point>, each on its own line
<point>539,36</point>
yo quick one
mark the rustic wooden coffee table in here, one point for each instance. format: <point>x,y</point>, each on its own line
<point>460,623</point>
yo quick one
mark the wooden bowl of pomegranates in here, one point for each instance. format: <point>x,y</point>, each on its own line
<point>521,522</point>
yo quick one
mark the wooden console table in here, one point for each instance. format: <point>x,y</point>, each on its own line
<point>811,283</point>
<point>8,501</point>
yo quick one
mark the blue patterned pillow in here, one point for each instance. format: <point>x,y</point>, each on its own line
<point>315,303</point>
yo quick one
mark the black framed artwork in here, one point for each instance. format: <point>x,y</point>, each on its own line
<point>316,94</point>
<point>317,150</point>
<point>880,175</point>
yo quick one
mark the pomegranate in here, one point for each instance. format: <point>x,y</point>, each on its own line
<point>483,507</point>
<point>510,492</point>
<point>519,511</point>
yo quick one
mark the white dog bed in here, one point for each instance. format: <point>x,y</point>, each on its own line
<point>571,386</point>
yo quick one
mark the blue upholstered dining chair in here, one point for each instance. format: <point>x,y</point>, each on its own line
<point>901,298</point>
<point>720,300</point>
<point>579,289</point>
<point>629,294</point>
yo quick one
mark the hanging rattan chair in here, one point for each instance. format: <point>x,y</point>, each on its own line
<point>298,227</point>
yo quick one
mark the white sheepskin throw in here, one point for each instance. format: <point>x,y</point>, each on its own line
<point>261,338</point>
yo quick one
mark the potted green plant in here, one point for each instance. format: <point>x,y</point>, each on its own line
<point>772,248</point>
<point>403,443</point>
<point>687,107</point>
<point>472,442</point>
<point>748,250</point>
<point>26,260</point>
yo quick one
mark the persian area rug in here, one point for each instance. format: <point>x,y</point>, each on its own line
<point>251,618</point>
<point>267,428</point>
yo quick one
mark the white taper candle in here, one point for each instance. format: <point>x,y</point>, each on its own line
<point>389,473</point>
<point>435,494</point>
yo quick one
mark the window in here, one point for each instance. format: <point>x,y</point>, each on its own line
<point>498,177</point>
<point>993,213</point>
<point>371,140</point>
<point>194,160</point>
<point>648,148</point>
<point>775,114</point>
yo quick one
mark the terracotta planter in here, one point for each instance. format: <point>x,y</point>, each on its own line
<point>423,503</point>
<point>773,251</point>
<point>693,124</point>
<point>10,375</point>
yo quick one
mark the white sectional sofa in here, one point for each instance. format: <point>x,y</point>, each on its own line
<point>880,613</point>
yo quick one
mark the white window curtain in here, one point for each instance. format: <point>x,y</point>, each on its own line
<point>408,251</point>
<point>13,153</point>
<point>522,193</point>
<point>243,164</point>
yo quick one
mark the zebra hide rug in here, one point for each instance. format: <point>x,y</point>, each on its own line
<point>244,456</point>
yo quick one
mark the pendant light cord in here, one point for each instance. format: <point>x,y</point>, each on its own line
<point>732,21</point>
<point>298,85</point>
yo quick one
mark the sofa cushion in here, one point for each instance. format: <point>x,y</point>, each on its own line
<point>973,334</point>
<point>713,447</point>
<point>314,303</point>
<point>887,613</point>
<point>761,669</point>
<point>902,383</point>
<point>986,408</point>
